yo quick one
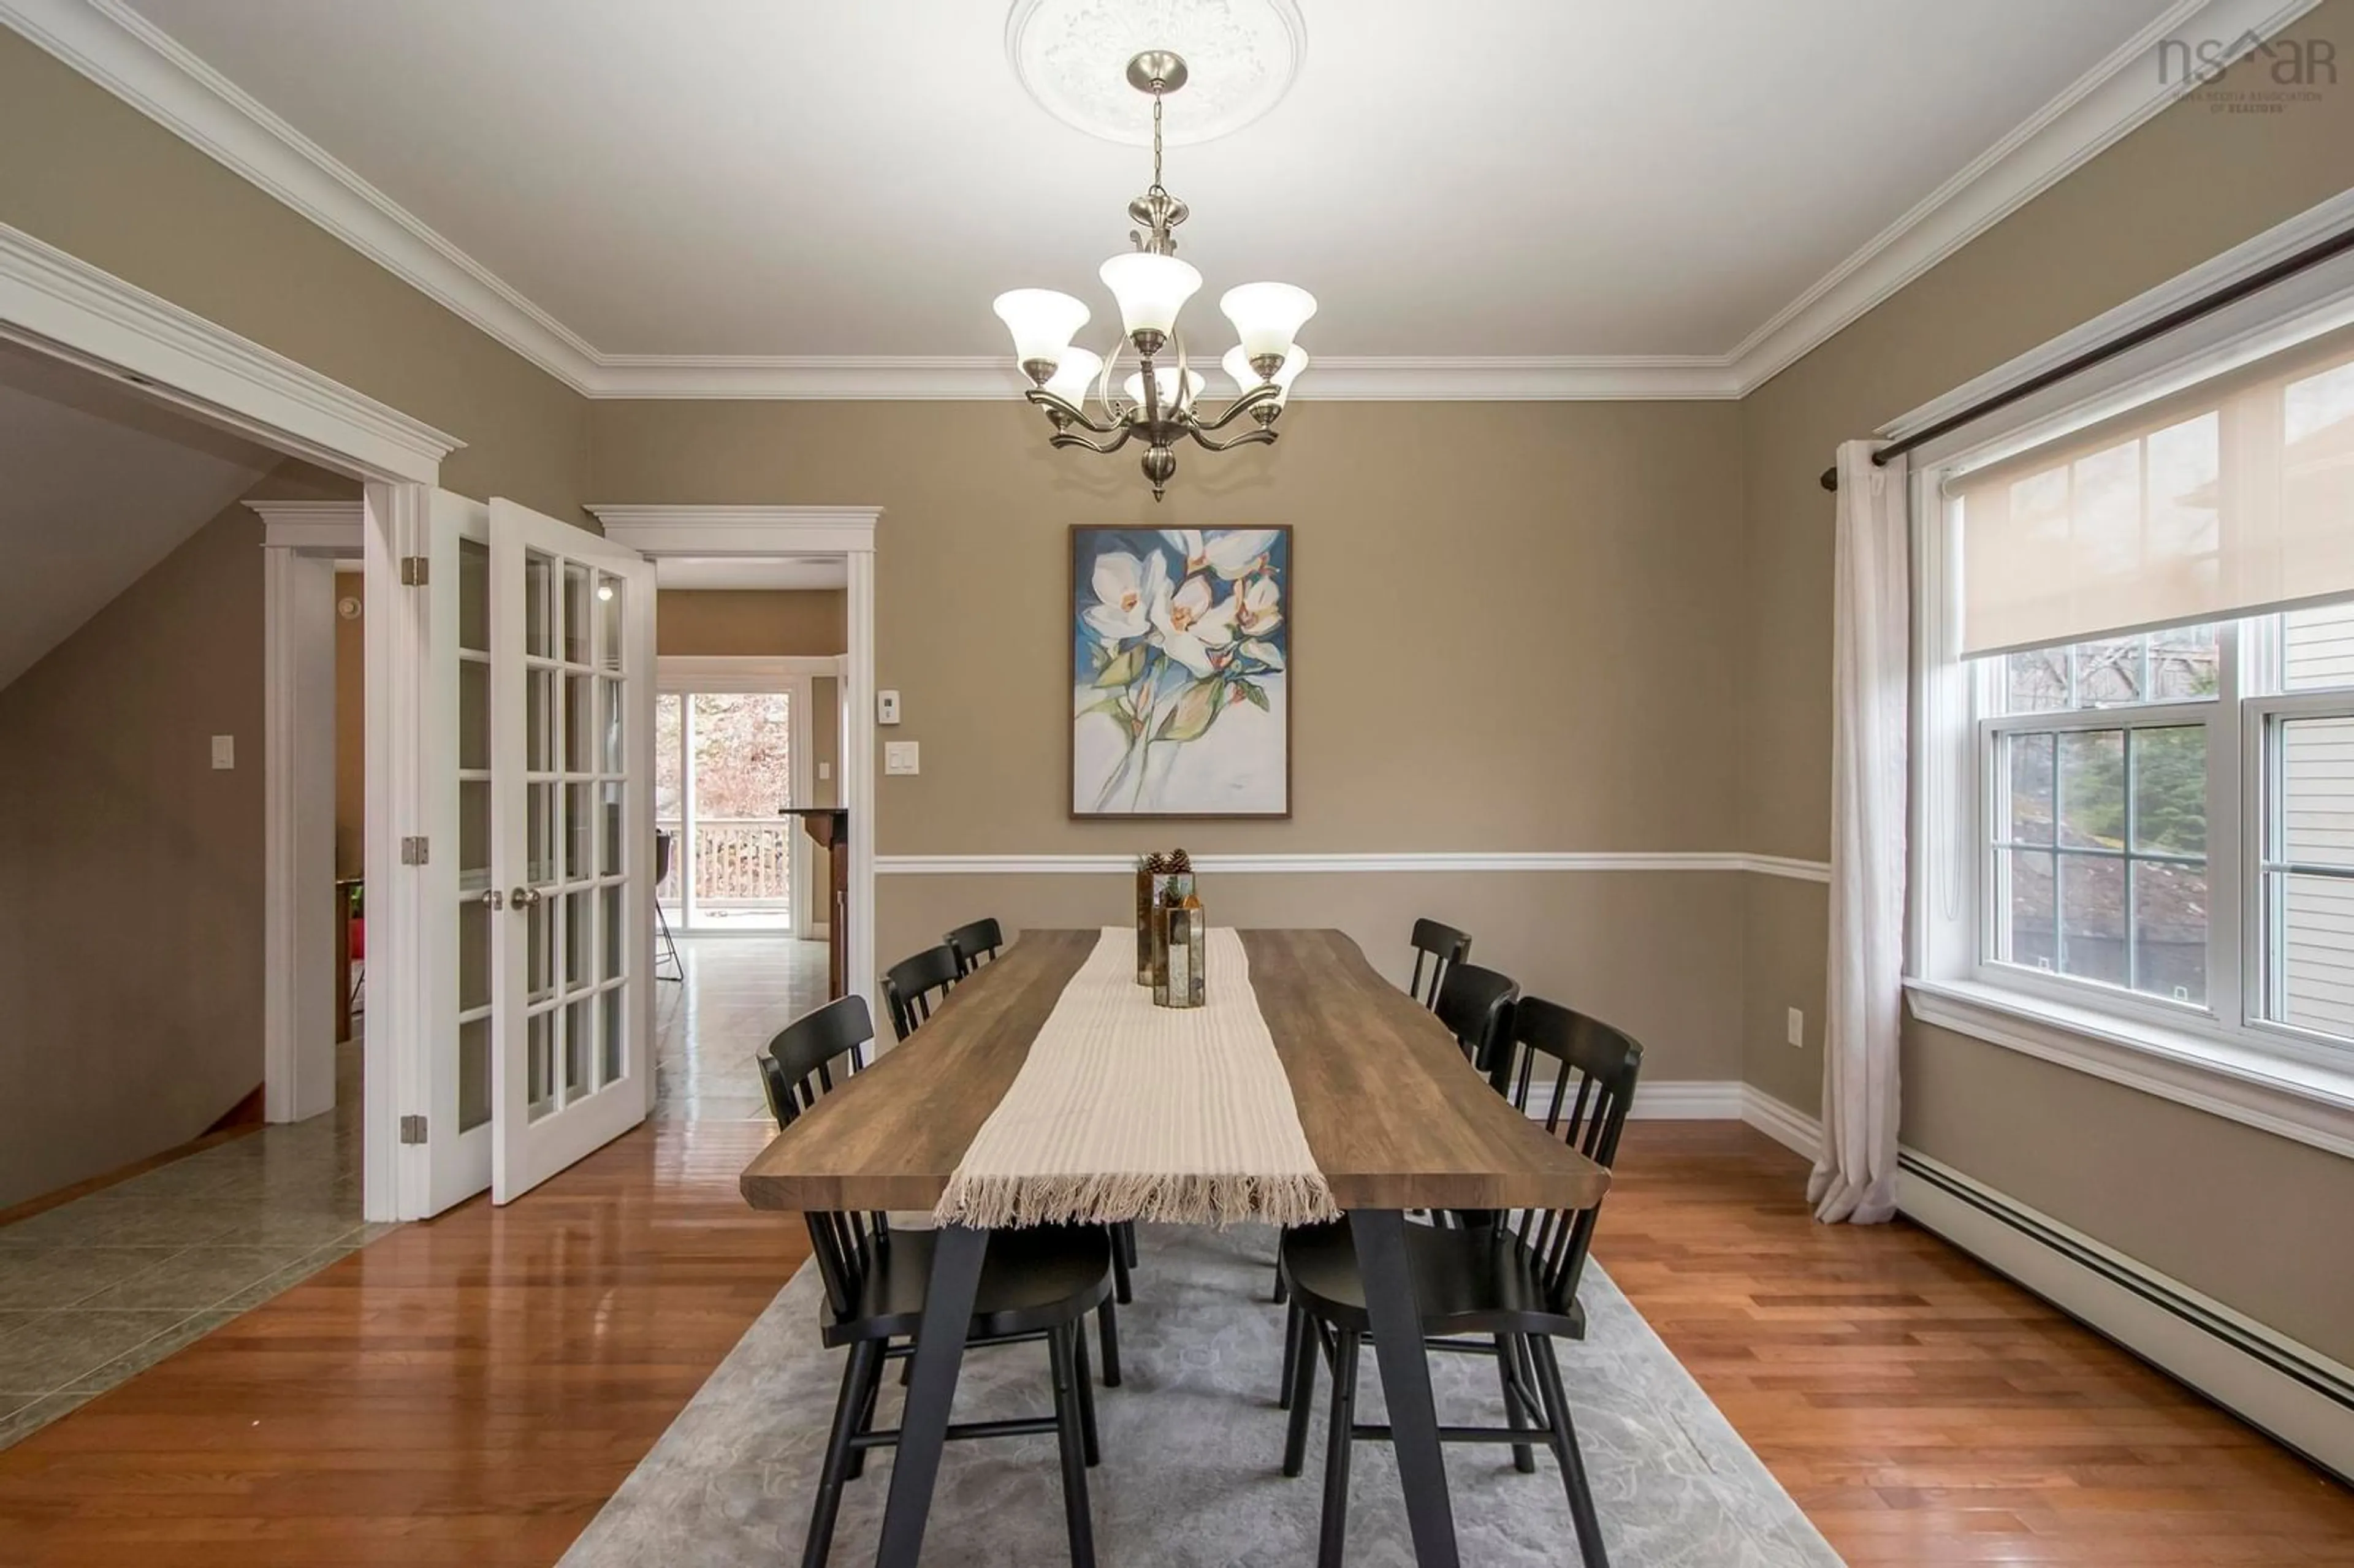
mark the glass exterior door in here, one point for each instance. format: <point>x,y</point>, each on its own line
<point>723,777</point>
<point>571,673</point>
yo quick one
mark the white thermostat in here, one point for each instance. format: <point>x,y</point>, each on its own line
<point>886,708</point>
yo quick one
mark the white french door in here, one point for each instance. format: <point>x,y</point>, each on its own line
<point>570,671</point>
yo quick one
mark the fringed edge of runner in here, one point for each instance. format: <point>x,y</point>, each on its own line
<point>1004,1203</point>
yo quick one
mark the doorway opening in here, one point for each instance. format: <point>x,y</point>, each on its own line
<point>724,776</point>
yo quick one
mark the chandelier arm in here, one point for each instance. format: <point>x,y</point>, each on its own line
<point>1264,392</point>
<point>1259,437</point>
<point>1073,439</point>
<point>1040,398</point>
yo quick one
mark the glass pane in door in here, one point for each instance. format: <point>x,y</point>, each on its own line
<point>736,763</point>
<point>474,879</point>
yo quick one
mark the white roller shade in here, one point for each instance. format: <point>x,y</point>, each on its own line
<point>2233,498</point>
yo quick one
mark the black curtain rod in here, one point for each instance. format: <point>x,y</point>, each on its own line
<point>2312,256</point>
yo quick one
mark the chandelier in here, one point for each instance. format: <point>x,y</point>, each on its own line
<point>1160,401</point>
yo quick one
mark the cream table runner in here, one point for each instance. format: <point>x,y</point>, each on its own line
<point>1128,1111</point>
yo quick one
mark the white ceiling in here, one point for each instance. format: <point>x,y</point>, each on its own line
<point>1553,178</point>
<point>101,482</point>
<point>732,572</point>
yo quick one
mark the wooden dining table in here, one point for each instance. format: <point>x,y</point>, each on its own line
<point>1396,1116</point>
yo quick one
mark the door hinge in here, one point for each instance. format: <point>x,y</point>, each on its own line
<point>416,571</point>
<point>413,851</point>
<point>412,1129</point>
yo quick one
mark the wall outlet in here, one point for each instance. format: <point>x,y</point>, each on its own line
<point>900,756</point>
<point>886,708</point>
<point>223,751</point>
<point>1796,1027</point>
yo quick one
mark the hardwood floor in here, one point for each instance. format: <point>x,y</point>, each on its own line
<point>470,1390</point>
<point>1921,1408</point>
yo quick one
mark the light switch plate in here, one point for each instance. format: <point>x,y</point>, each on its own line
<point>824,771</point>
<point>886,708</point>
<point>900,756</point>
<point>1796,1027</point>
<point>223,751</point>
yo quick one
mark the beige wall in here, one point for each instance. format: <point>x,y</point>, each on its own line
<point>122,192</point>
<point>2161,1182</point>
<point>1509,630</point>
<point>741,623</point>
<point>131,907</point>
<point>131,876</point>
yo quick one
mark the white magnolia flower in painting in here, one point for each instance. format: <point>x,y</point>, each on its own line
<point>1187,625</point>
<point>1233,553</point>
<point>1258,606</point>
<point>1126,591</point>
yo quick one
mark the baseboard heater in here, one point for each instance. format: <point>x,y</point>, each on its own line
<point>2293,1394</point>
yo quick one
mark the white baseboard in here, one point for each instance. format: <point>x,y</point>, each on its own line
<point>1779,1119</point>
<point>2301,1397</point>
<point>1688,1099</point>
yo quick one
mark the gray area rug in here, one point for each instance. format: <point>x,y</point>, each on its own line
<point>1192,1443</point>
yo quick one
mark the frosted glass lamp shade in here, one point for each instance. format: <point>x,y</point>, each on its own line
<point>1150,289</point>
<point>1164,383</point>
<point>1041,320</point>
<point>1074,374</point>
<point>1238,364</point>
<point>1267,316</point>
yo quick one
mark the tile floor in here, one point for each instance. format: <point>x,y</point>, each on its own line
<point>738,992</point>
<point>95,1290</point>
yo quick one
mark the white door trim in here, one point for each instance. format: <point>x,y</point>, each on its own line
<point>765,532</point>
<point>302,541</point>
<point>60,304</point>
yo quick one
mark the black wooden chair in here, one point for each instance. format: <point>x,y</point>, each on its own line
<point>1036,1284</point>
<point>921,975</point>
<point>1510,1278</point>
<point>1475,1006</point>
<point>974,943</point>
<point>1440,946</point>
<point>913,987</point>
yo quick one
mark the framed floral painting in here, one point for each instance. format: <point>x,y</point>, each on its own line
<point>1181,671</point>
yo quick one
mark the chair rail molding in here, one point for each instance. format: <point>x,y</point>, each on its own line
<point>109,42</point>
<point>59,303</point>
<point>1408,860</point>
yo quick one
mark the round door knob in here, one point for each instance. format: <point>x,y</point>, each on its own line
<point>524,897</point>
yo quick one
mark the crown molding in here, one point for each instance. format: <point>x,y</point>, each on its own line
<point>129,56</point>
<point>2090,114</point>
<point>1339,379</point>
<point>145,67</point>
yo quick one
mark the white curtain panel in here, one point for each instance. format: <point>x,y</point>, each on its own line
<point>1855,1176</point>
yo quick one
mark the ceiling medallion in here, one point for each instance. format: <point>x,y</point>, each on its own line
<point>1067,55</point>
<point>1159,402</point>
